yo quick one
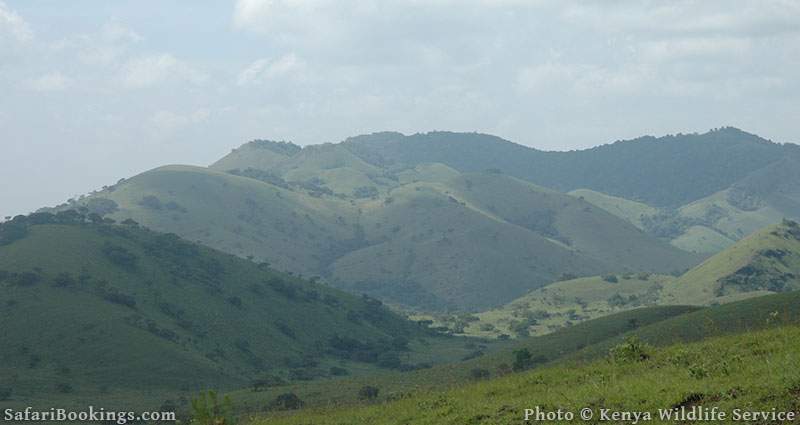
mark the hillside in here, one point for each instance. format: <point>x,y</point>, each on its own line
<point>667,171</point>
<point>565,303</point>
<point>119,313</point>
<point>766,261</point>
<point>713,223</point>
<point>750,372</point>
<point>425,237</point>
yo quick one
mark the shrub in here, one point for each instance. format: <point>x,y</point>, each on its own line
<point>63,280</point>
<point>287,401</point>
<point>120,256</point>
<point>207,409</point>
<point>523,359</point>
<point>632,350</point>
<point>368,392</point>
<point>610,278</point>
<point>479,373</point>
<point>151,202</point>
<point>5,394</point>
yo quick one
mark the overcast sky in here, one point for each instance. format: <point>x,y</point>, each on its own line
<point>96,90</point>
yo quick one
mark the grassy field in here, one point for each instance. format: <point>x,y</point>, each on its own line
<point>752,371</point>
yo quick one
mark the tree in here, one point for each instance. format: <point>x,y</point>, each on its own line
<point>207,409</point>
<point>523,359</point>
<point>287,401</point>
<point>368,392</point>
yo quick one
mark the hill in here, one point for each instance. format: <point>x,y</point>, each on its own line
<point>667,171</point>
<point>118,313</point>
<point>425,237</point>
<point>565,303</point>
<point>766,261</point>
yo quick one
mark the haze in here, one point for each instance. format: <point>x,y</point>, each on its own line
<point>100,91</point>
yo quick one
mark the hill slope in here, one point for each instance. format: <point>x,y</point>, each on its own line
<point>117,310</point>
<point>750,372</point>
<point>768,260</point>
<point>427,237</point>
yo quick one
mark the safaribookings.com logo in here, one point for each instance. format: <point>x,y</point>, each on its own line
<point>91,414</point>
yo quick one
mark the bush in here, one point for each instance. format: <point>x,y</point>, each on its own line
<point>208,410</point>
<point>151,202</point>
<point>632,350</point>
<point>120,256</point>
<point>5,394</point>
<point>287,401</point>
<point>479,373</point>
<point>610,278</point>
<point>523,359</point>
<point>368,392</point>
<point>64,388</point>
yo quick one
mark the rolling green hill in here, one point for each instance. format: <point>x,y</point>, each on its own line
<point>425,237</point>
<point>766,261</point>
<point>118,313</point>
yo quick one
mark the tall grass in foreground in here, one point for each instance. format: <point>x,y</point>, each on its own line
<point>754,371</point>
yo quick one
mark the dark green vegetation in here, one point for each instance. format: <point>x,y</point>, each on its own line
<point>665,171</point>
<point>625,340</point>
<point>115,313</point>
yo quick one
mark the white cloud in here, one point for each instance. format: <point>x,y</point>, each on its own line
<point>264,70</point>
<point>148,71</point>
<point>12,26</point>
<point>54,81</point>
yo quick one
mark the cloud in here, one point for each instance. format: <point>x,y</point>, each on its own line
<point>263,70</point>
<point>54,81</point>
<point>13,27</point>
<point>148,71</point>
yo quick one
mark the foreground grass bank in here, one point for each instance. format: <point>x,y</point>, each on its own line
<point>754,371</point>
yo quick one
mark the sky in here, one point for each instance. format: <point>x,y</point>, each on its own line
<point>96,91</point>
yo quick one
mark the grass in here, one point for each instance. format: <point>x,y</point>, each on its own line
<point>753,371</point>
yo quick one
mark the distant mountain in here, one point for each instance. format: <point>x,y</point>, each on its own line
<point>664,171</point>
<point>426,236</point>
<point>91,309</point>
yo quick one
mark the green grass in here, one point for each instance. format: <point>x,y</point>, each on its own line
<point>754,370</point>
<point>493,357</point>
